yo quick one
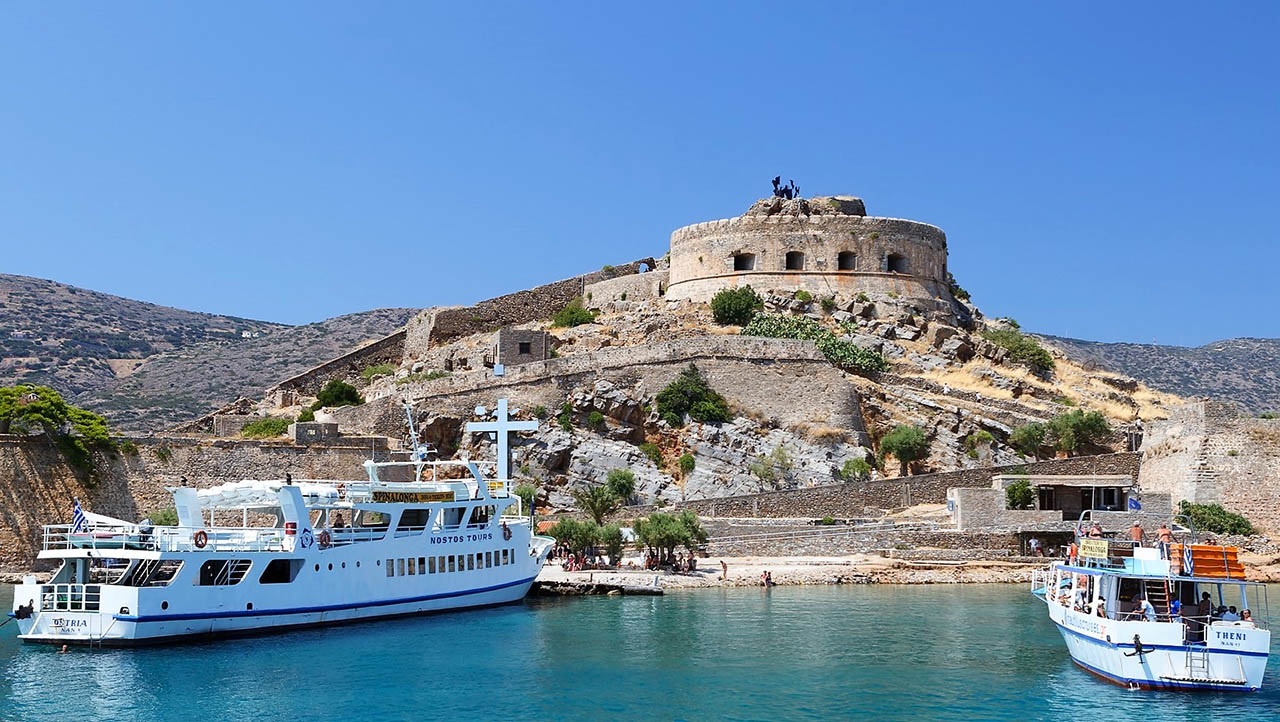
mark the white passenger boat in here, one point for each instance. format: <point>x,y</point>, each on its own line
<point>1176,616</point>
<point>452,535</point>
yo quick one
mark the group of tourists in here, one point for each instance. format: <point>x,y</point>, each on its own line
<point>677,563</point>
<point>578,561</point>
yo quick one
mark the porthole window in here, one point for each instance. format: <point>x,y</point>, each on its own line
<point>317,567</point>
<point>249,606</point>
<point>164,605</point>
<point>331,567</point>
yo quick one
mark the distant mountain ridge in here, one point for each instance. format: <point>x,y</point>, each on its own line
<point>1245,370</point>
<point>146,366</point>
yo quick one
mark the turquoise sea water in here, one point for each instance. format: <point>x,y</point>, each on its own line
<point>854,652</point>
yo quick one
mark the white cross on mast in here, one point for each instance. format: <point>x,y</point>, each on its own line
<point>502,425</point>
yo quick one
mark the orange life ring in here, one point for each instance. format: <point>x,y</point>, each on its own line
<point>324,539</point>
<point>200,538</point>
<point>506,532</point>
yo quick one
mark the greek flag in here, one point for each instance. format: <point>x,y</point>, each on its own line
<point>78,520</point>
<point>1188,569</point>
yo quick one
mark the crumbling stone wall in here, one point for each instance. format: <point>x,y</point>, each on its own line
<point>37,487</point>
<point>862,498</point>
<point>1211,453</point>
<point>435,326</point>
<point>638,287</point>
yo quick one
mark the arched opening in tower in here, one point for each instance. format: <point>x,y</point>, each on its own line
<point>744,261</point>
<point>846,261</point>
<point>795,261</point>
<point>896,263</point>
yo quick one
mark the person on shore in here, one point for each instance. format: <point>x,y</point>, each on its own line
<point>724,571</point>
<point>1033,546</point>
<point>1136,533</point>
<point>1164,537</point>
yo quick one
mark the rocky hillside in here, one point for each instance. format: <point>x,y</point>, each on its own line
<point>1245,370</point>
<point>146,366</point>
<point>79,341</point>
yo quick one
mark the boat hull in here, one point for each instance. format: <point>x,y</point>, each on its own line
<point>118,631</point>
<point>1105,648</point>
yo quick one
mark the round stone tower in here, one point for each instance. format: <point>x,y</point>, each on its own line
<point>826,246</point>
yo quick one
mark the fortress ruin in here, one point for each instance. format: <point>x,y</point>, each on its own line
<point>826,246</point>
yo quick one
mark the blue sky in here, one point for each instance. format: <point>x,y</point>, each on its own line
<point>1102,170</point>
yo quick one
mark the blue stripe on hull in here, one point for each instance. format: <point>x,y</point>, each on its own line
<point>309,610</point>
<point>1145,645</point>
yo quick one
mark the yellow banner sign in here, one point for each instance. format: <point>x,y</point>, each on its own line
<point>1093,548</point>
<point>409,497</point>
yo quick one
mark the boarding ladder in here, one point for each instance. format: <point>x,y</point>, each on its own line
<point>1197,662</point>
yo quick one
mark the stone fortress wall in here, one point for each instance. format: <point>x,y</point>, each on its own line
<point>1209,452</point>
<point>833,248</point>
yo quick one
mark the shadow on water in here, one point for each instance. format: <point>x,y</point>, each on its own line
<point>884,652</point>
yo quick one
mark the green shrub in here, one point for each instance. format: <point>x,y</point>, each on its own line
<point>690,395</point>
<point>1213,518</point>
<point>836,350</point>
<point>828,521</point>
<point>527,493</point>
<point>828,304</point>
<point>595,421</point>
<point>1028,439</point>
<point>612,543</point>
<point>1268,415</point>
<point>862,297</point>
<point>652,451</point>
<point>265,428</point>
<point>1063,401</point>
<point>577,534</point>
<point>164,517</point>
<point>128,448</point>
<point>565,419</point>
<point>1022,348</point>
<point>771,467</point>
<point>661,533</point>
<point>306,416</point>
<point>1077,429</point>
<point>956,292</point>
<point>687,463</point>
<point>906,444</point>
<point>337,393</point>
<point>622,484</point>
<point>735,305</point>
<point>377,370</point>
<point>1233,452</point>
<point>572,315</point>
<point>804,296</point>
<point>1020,494</point>
<point>164,453</point>
<point>540,412</point>
<point>855,469</point>
<point>977,438</point>
<point>77,433</point>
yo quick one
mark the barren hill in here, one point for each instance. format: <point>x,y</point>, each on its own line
<point>144,365</point>
<point>1239,369</point>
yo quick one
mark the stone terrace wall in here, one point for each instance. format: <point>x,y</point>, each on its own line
<point>37,487</point>
<point>436,326</point>
<point>852,500</point>
<point>789,380</point>
<point>389,349</point>
<point>851,541</point>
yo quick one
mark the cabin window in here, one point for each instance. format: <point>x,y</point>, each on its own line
<point>422,565</point>
<point>431,565</point>
<point>846,261</point>
<point>479,560</point>
<point>223,572</point>
<point>413,566</point>
<point>413,520</point>
<point>896,263</point>
<point>148,574</point>
<point>280,571</point>
<point>488,559</point>
<point>504,556</point>
<point>391,567</point>
<point>440,564</point>
<point>795,261</point>
<point>451,560</point>
<point>482,514</point>
<point>471,563</point>
<point>744,261</point>
<point>400,567</point>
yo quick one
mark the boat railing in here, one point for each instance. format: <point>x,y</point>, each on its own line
<point>163,538</point>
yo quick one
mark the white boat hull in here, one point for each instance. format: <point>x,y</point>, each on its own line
<point>1234,657</point>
